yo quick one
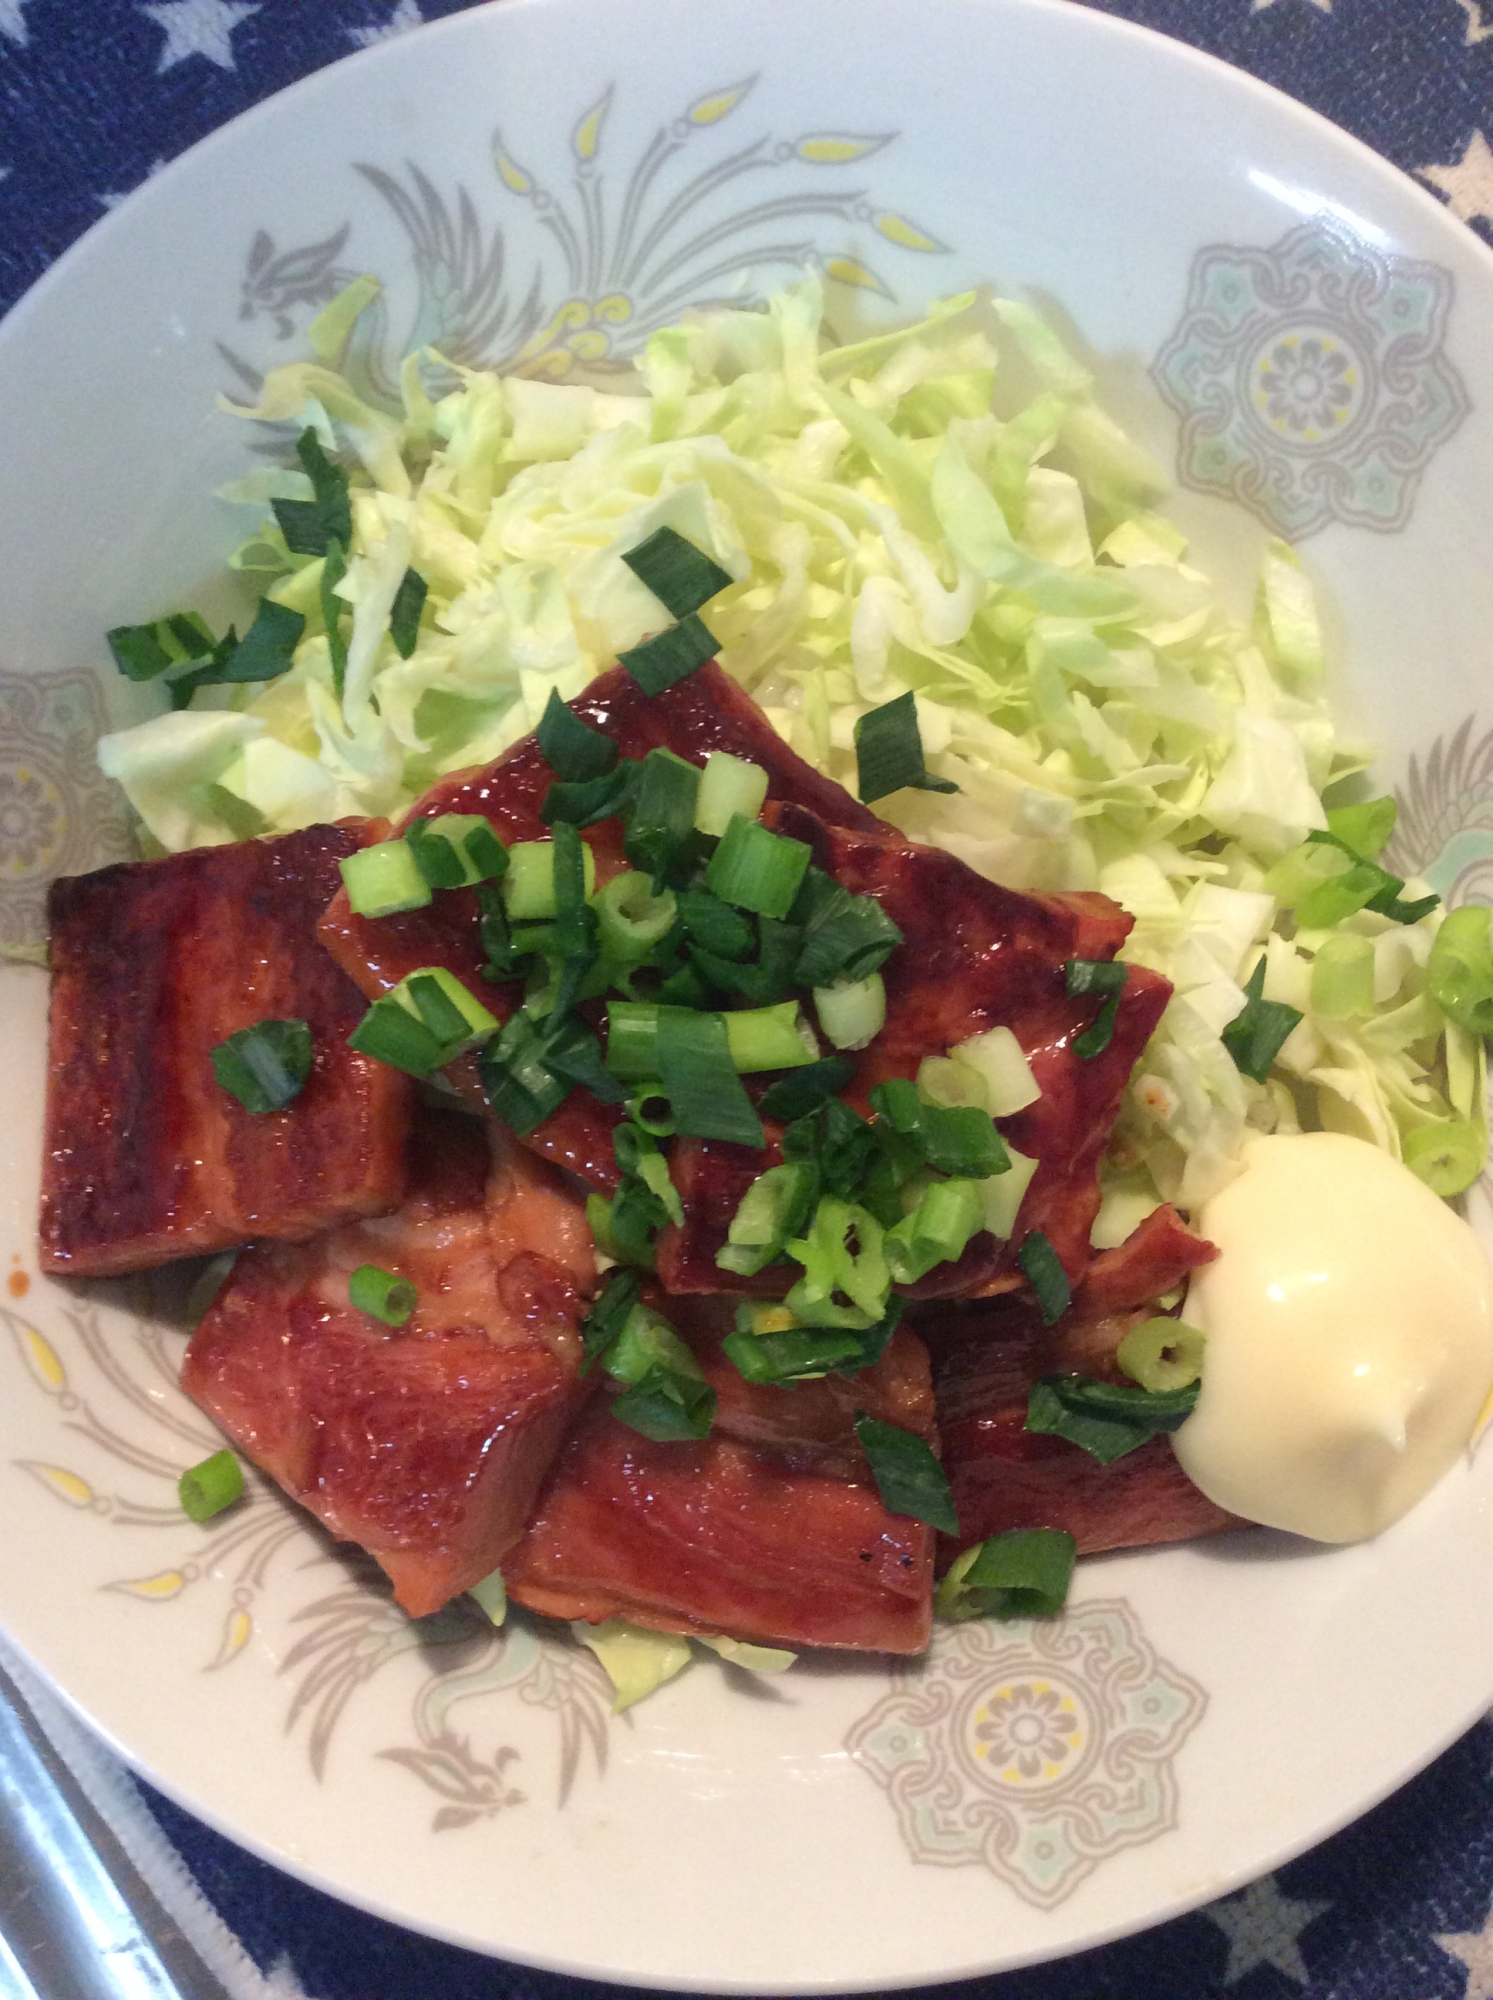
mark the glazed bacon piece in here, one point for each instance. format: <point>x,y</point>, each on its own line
<point>425,1445</point>
<point>770,1530</point>
<point>975,956</point>
<point>154,962</point>
<point>986,1359</point>
<point>705,712</point>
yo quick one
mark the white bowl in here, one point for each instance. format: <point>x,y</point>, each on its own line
<point>1208,1710</point>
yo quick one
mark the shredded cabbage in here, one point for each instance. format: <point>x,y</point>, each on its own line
<point>889,524</point>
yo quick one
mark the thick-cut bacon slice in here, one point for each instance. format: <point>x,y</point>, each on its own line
<point>705,712</point>
<point>986,1359</point>
<point>1153,1260</point>
<point>424,1445</point>
<point>975,956</point>
<point>771,1529</point>
<point>153,963</point>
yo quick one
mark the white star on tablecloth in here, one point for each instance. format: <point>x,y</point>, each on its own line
<point>1475,1949</point>
<point>1260,5</point>
<point>10,20</point>
<point>1262,1927</point>
<point>198,28</point>
<point>406,15</point>
<point>1467,183</point>
<point>114,196</point>
<point>1478,30</point>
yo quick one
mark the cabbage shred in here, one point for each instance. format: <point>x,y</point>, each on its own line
<point>1107,724</point>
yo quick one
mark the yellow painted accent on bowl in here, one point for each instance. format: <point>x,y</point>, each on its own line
<point>155,1589</point>
<point>45,1362</point>
<point>720,104</point>
<point>57,1479</point>
<point>587,135</point>
<point>897,229</point>
<point>833,149</point>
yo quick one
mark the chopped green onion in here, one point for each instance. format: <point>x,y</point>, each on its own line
<point>774,1208</point>
<point>143,652</point>
<point>1046,1276</point>
<point>661,820</point>
<point>756,869</point>
<point>631,919</point>
<point>1002,1194</point>
<point>266,650</point>
<point>956,1139</point>
<point>1459,973</point>
<point>1107,1419</point>
<point>389,1033</point>
<point>650,1110</point>
<point>330,490</point>
<point>999,1060</point>
<point>766,982</point>
<point>841,1285</point>
<point>382,1294</point>
<point>608,1315</point>
<point>404,613</point>
<point>715,926</point>
<point>333,570</point>
<point>529,888</point>
<point>728,786</point>
<point>574,751</point>
<point>528,1070</point>
<point>796,1096</point>
<point>1447,1155</point>
<point>456,1017</point>
<point>838,1143</point>
<point>1096,975</point>
<point>695,1068</point>
<point>1162,1353</point>
<point>207,1489</point>
<point>1366,829</point>
<point>889,752</point>
<point>680,576</point>
<point>383,879</point>
<point>594,799</point>
<point>908,1477</point>
<point>645,1341</point>
<point>937,1231</point>
<point>852,1013</point>
<point>666,1407</point>
<point>670,656</point>
<point>1024,1573</point>
<point>456,851</point>
<point>264,1066</point>
<point>770,1038</point>
<point>797,1354</point>
<point>1259,1031</point>
<point>845,936</point>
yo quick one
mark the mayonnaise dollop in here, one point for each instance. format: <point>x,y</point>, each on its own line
<point>1350,1339</point>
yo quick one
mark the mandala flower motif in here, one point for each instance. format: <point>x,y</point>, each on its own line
<point>30,819</point>
<point>1033,1749</point>
<point>59,814</point>
<point>1028,1729</point>
<point>1311,379</point>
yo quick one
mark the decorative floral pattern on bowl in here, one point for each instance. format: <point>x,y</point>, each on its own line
<point>59,815</point>
<point>1311,380</point>
<point>1034,1748</point>
<point>615,254</point>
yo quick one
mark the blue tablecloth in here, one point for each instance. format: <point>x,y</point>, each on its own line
<point>94,94</point>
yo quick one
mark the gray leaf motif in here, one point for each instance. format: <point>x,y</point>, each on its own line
<point>477,1789</point>
<point>275,281</point>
